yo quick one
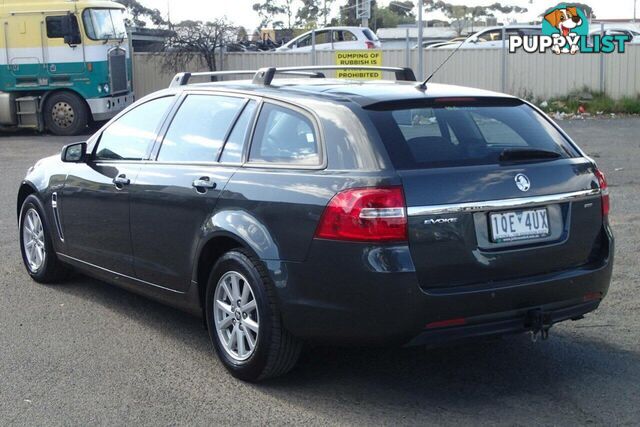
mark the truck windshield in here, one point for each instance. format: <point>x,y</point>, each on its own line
<point>104,24</point>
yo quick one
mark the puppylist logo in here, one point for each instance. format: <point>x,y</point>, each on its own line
<point>565,29</point>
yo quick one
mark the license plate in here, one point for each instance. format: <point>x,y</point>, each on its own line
<point>519,225</point>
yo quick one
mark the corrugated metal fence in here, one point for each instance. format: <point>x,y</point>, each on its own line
<point>533,75</point>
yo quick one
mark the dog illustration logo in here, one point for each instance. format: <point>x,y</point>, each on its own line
<point>567,22</point>
<point>565,29</point>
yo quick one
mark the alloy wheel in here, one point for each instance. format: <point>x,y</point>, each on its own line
<point>33,240</point>
<point>235,315</point>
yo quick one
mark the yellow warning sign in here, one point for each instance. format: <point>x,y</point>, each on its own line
<point>359,57</point>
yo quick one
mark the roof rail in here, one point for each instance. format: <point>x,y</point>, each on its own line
<point>264,76</point>
<point>182,79</point>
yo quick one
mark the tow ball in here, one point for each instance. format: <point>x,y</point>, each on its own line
<point>538,323</point>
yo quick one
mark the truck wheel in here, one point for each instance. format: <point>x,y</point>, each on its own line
<point>65,114</point>
<point>244,321</point>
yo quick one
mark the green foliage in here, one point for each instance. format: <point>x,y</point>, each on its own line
<point>272,12</point>
<point>137,14</point>
<point>461,13</point>
<point>593,103</point>
<point>313,13</point>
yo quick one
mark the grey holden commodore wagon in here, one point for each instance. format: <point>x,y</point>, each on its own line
<point>307,209</point>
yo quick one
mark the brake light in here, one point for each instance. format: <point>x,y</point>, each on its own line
<point>604,192</point>
<point>460,321</point>
<point>370,45</point>
<point>365,215</point>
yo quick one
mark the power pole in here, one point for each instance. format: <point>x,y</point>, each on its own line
<point>420,48</point>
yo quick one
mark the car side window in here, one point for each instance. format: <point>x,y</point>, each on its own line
<point>343,36</point>
<point>284,136</point>
<point>232,152</point>
<point>199,128</point>
<point>131,135</point>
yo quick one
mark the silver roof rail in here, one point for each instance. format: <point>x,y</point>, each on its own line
<point>264,76</point>
<point>182,79</point>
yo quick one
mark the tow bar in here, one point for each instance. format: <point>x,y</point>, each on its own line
<point>539,323</point>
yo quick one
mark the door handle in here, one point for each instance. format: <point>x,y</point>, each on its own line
<point>121,180</point>
<point>204,182</point>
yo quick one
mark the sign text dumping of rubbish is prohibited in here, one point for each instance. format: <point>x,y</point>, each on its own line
<point>359,57</point>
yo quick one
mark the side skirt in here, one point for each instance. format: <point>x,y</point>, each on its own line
<point>188,301</point>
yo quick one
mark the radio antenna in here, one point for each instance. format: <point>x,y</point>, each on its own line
<point>423,86</point>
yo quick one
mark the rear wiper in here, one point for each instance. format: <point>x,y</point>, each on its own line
<point>518,154</point>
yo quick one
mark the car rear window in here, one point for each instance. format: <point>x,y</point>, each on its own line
<point>451,133</point>
<point>370,35</point>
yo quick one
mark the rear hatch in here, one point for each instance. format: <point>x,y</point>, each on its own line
<point>494,191</point>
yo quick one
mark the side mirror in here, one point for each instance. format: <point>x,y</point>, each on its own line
<point>74,153</point>
<point>70,30</point>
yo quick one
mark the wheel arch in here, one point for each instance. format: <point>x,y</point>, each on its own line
<point>211,249</point>
<point>26,189</point>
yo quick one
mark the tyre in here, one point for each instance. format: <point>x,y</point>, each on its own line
<point>36,246</point>
<point>65,113</point>
<point>244,321</point>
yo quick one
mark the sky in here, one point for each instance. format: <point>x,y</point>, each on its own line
<point>240,12</point>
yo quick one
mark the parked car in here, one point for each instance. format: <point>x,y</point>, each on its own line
<point>328,211</point>
<point>491,37</point>
<point>634,36</point>
<point>339,38</point>
<point>428,43</point>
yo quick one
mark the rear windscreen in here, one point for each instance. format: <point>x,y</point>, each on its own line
<point>370,35</point>
<point>453,134</point>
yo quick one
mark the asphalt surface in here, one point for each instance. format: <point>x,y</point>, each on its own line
<point>88,353</point>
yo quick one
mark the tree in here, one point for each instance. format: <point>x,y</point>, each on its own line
<point>314,12</point>
<point>402,8</point>
<point>241,34</point>
<point>137,13</point>
<point>197,40</point>
<point>397,13</point>
<point>348,13</point>
<point>588,11</point>
<point>459,15</point>
<point>268,10</point>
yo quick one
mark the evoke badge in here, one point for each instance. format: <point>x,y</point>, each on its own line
<point>522,182</point>
<point>433,221</point>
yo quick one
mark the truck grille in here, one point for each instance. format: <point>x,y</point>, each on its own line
<point>118,70</point>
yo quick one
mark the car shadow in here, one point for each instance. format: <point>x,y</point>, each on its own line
<point>481,378</point>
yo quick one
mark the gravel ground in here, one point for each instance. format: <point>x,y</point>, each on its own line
<point>88,353</point>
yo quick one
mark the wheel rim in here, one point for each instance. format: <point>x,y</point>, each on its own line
<point>33,240</point>
<point>235,315</point>
<point>62,114</point>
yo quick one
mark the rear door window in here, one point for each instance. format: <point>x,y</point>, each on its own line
<point>232,152</point>
<point>457,135</point>
<point>199,128</point>
<point>284,136</point>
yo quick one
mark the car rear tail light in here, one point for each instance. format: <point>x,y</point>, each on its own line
<point>447,323</point>
<point>370,45</point>
<point>365,215</point>
<point>604,192</point>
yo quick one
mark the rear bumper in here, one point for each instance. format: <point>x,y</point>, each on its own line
<point>356,294</point>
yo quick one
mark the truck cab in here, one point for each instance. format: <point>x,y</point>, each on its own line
<point>63,64</point>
